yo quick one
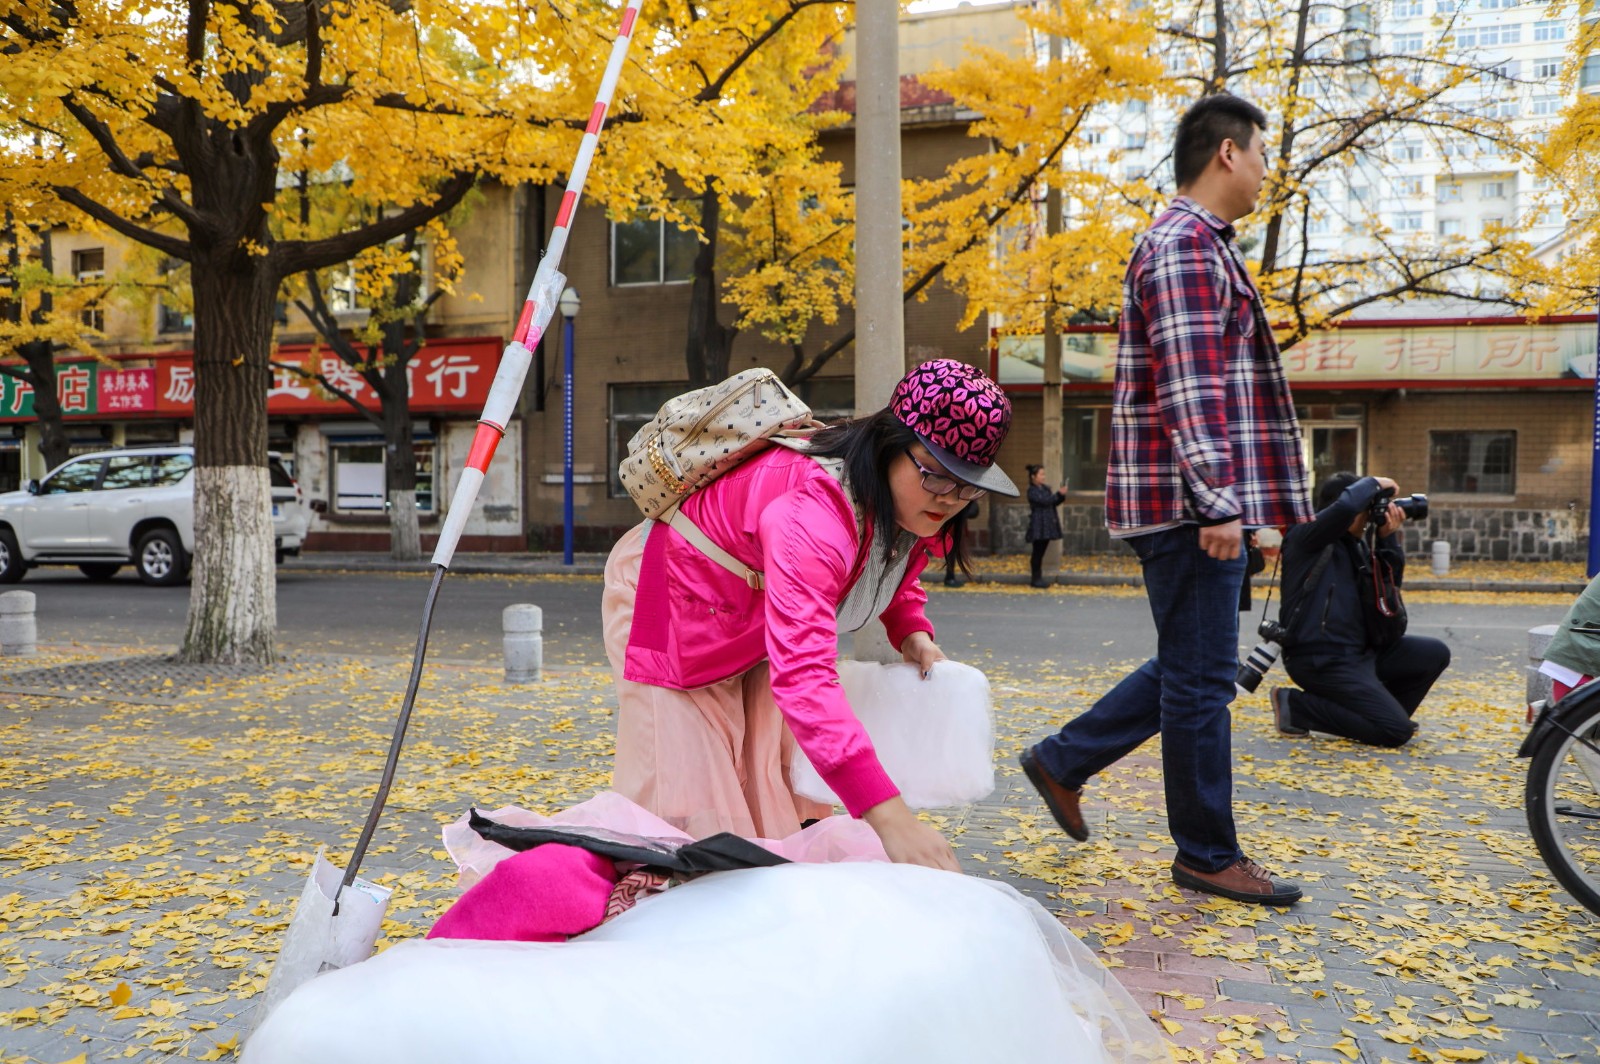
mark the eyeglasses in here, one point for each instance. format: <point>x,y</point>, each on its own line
<point>943,483</point>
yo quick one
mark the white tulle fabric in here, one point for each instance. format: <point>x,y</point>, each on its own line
<point>848,961</point>
<point>856,963</point>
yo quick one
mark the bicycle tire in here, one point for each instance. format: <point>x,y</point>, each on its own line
<point>1551,769</point>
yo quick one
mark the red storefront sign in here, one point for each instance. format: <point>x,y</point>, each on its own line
<point>446,376</point>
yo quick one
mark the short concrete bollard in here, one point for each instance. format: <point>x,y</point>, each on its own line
<point>523,625</point>
<point>19,633</point>
<point>1538,642</point>
<point>1441,557</point>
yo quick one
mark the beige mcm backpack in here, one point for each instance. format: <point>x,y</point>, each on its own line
<point>700,435</point>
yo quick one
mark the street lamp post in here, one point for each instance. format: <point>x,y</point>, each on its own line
<point>569,311</point>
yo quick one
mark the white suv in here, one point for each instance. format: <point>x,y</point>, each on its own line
<point>104,510</point>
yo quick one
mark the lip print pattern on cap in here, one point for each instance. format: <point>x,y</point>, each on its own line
<point>956,407</point>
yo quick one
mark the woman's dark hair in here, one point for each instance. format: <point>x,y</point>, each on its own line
<point>1033,468</point>
<point>1205,126</point>
<point>867,445</point>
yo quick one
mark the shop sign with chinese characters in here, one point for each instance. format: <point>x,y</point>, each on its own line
<point>1509,352</point>
<point>444,377</point>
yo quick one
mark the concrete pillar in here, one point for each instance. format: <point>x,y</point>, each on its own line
<point>880,284</point>
<point>523,625</point>
<point>1054,446</point>
<point>19,632</point>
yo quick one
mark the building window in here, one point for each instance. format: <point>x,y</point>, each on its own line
<point>651,251</point>
<point>1491,5</point>
<point>1492,190</point>
<point>1360,194</point>
<point>1406,43</point>
<point>1408,222</point>
<point>1086,433</point>
<point>1134,141</point>
<point>1489,36</point>
<point>1546,105</point>
<point>1445,7</point>
<point>1492,220</point>
<point>1547,69</point>
<point>1409,186</point>
<point>1408,151</point>
<point>634,405</point>
<point>356,463</point>
<point>1550,30</point>
<point>1407,8</point>
<point>1472,463</point>
<point>1449,192</point>
<point>89,267</point>
<point>1449,226</point>
<point>1589,76</point>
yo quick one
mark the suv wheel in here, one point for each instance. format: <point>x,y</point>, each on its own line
<point>100,570</point>
<point>11,564</point>
<point>159,558</point>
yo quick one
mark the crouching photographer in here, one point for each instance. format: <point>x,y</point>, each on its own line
<point>1360,675</point>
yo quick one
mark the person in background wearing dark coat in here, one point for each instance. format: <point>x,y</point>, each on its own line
<point>1043,524</point>
<point>951,577</point>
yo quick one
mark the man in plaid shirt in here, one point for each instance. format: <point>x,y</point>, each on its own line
<point>1204,445</point>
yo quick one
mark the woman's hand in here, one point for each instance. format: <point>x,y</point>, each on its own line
<point>920,650</point>
<point>908,840</point>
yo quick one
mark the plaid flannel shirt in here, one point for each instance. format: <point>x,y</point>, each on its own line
<point>1202,424</point>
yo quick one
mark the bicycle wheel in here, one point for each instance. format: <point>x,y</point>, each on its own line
<point>1563,802</point>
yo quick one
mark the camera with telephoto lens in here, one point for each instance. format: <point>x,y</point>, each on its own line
<point>1414,506</point>
<point>1261,657</point>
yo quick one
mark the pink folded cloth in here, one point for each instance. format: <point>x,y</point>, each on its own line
<point>546,894</point>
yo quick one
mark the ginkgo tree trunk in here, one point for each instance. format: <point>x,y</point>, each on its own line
<point>172,124</point>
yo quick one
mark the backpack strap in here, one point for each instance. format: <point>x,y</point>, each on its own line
<point>701,542</point>
<point>691,532</point>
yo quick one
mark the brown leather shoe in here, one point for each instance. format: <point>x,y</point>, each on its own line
<point>1244,880</point>
<point>1061,801</point>
<point>1281,714</point>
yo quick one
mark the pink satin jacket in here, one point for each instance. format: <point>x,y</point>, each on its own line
<point>695,623</point>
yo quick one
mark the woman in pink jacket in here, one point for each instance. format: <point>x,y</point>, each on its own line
<point>717,681</point>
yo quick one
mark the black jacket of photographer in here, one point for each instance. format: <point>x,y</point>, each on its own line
<point>1330,617</point>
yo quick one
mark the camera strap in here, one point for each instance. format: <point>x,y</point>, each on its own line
<point>1312,579</point>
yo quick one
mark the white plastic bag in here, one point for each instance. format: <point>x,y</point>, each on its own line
<point>935,737</point>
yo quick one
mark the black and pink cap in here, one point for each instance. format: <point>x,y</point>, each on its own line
<point>961,417</point>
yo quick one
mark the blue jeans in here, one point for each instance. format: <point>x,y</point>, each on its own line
<point>1182,693</point>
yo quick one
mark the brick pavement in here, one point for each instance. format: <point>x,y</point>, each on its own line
<point>152,852</point>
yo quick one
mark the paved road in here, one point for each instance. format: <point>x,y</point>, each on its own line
<point>378,613</point>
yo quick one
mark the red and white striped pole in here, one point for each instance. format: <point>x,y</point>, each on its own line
<point>537,311</point>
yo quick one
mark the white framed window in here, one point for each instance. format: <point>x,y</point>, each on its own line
<point>1409,186</point>
<point>89,266</point>
<point>1589,73</point>
<point>1491,5</point>
<point>1504,71</point>
<point>1135,141</point>
<point>646,251</point>
<point>1550,30</point>
<point>1408,8</point>
<point>1491,35</point>
<point>1407,43</point>
<point>1445,7</point>
<point>1408,222</point>
<point>1318,226</point>
<point>1472,463</point>
<point>1448,192</point>
<point>1094,138</point>
<point>1449,226</point>
<point>1492,220</point>
<point>1492,190</point>
<point>1546,69</point>
<point>1360,194</point>
<point>1408,151</point>
<point>1546,105</point>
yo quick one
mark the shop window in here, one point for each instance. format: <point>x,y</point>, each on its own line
<point>633,405</point>
<point>358,480</point>
<point>89,267</point>
<point>1086,435</point>
<point>1472,463</point>
<point>651,251</point>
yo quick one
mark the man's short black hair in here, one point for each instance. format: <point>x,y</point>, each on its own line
<point>1329,490</point>
<point>1205,126</point>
